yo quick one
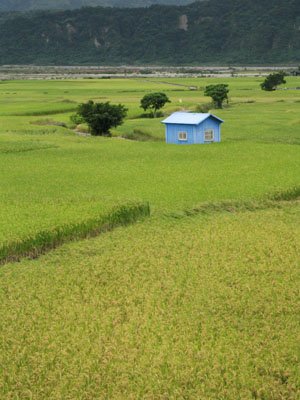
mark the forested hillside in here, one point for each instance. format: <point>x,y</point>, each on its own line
<point>26,5</point>
<point>229,31</point>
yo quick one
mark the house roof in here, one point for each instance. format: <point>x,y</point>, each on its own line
<point>187,118</point>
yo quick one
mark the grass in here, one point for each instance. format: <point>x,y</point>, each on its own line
<point>9,146</point>
<point>82,177</point>
<point>199,301</point>
<point>61,179</point>
<point>203,307</point>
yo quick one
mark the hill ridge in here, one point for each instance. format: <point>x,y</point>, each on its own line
<point>27,5</point>
<point>230,32</point>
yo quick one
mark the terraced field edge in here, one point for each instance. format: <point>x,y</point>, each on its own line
<point>34,246</point>
<point>277,199</point>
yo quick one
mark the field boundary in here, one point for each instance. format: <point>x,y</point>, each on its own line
<point>129,213</point>
<point>278,199</point>
<point>40,113</point>
<point>25,150</point>
<point>44,241</point>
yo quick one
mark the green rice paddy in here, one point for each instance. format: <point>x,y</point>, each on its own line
<point>56,176</point>
<point>183,305</point>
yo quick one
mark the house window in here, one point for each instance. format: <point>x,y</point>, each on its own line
<point>182,135</point>
<point>209,135</point>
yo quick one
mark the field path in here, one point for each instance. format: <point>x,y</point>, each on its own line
<point>167,83</point>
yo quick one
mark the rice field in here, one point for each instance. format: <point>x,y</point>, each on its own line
<point>196,308</point>
<point>199,301</point>
<point>59,177</point>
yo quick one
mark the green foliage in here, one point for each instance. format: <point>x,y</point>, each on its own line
<point>218,93</point>
<point>220,32</point>
<point>203,108</point>
<point>286,195</point>
<point>26,5</point>
<point>139,135</point>
<point>77,119</point>
<point>154,102</point>
<point>100,117</point>
<point>273,80</point>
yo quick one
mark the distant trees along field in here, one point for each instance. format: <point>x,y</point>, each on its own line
<point>101,117</point>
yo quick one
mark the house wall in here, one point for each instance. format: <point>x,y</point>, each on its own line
<point>195,132</point>
<point>172,131</point>
<point>209,123</point>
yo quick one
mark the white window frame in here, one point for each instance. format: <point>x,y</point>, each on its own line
<point>181,138</point>
<point>210,131</point>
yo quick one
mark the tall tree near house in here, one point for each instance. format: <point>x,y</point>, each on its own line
<point>154,102</point>
<point>218,93</point>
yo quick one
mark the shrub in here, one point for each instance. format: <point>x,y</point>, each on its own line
<point>139,135</point>
<point>204,108</point>
<point>48,122</point>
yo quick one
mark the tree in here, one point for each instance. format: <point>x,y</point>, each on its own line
<point>218,93</point>
<point>154,102</point>
<point>296,72</point>
<point>273,80</point>
<point>100,117</point>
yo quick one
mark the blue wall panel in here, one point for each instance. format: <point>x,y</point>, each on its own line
<point>210,123</point>
<point>172,131</point>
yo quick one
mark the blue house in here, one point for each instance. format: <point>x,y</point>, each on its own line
<point>192,128</point>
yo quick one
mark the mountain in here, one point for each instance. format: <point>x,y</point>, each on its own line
<point>219,32</point>
<point>28,5</point>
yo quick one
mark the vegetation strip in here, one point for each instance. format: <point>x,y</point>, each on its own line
<point>44,241</point>
<point>33,247</point>
<point>274,200</point>
<point>24,150</point>
<point>41,112</point>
